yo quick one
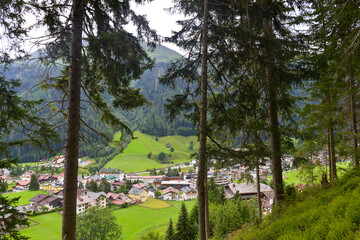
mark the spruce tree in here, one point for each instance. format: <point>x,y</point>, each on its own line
<point>183,226</point>
<point>34,183</point>
<point>170,232</point>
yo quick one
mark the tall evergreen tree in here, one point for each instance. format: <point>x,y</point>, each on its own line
<point>183,227</point>
<point>170,232</point>
<point>34,183</point>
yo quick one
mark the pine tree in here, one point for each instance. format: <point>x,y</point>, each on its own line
<point>183,226</point>
<point>34,183</point>
<point>170,233</point>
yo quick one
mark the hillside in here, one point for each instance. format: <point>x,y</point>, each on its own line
<point>135,157</point>
<point>332,213</point>
<point>151,119</point>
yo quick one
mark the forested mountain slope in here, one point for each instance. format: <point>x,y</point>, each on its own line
<point>150,119</point>
<point>331,212</point>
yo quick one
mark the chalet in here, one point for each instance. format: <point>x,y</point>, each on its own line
<point>134,177</point>
<point>139,185</point>
<point>151,179</point>
<point>47,178</point>
<point>248,190</point>
<point>117,198</point>
<point>23,184</point>
<point>83,203</point>
<point>189,193</point>
<point>27,175</point>
<point>151,193</point>
<point>99,199</point>
<point>137,194</point>
<point>96,178</point>
<point>4,171</point>
<point>171,193</point>
<point>61,177</point>
<point>116,185</point>
<point>51,187</point>
<point>48,201</point>
<point>175,184</point>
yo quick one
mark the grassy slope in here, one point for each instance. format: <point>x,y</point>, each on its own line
<point>332,213</point>
<point>135,156</point>
<point>24,196</point>
<point>294,177</point>
<point>135,221</point>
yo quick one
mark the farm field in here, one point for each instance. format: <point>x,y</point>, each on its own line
<point>155,204</point>
<point>135,157</point>
<point>24,196</point>
<point>135,221</point>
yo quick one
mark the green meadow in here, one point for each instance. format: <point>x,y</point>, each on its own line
<point>295,176</point>
<point>24,196</point>
<point>135,157</point>
<point>135,220</point>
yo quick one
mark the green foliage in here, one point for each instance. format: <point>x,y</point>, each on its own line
<point>97,224</point>
<point>10,219</point>
<point>230,216</point>
<point>34,183</point>
<point>162,157</point>
<point>317,213</point>
<point>170,232</point>
<point>92,186</point>
<point>183,227</point>
<point>216,194</point>
<point>104,186</point>
<point>152,236</point>
<point>3,186</point>
<point>157,194</point>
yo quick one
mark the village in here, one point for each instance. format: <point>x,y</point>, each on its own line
<point>122,190</point>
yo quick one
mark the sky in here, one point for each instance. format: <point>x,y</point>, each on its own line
<point>160,20</point>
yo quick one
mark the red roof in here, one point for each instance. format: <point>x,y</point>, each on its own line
<point>139,185</point>
<point>23,183</point>
<point>170,189</point>
<point>118,202</point>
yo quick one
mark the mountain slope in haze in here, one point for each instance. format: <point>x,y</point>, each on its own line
<point>151,119</point>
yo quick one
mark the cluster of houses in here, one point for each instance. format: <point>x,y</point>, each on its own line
<point>179,188</point>
<point>169,188</point>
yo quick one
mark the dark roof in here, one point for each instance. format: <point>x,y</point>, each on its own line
<point>38,198</point>
<point>136,191</point>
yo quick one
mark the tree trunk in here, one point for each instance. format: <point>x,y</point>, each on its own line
<point>258,189</point>
<point>275,143</point>
<point>353,118</point>
<point>73,124</point>
<point>202,149</point>
<point>207,217</point>
<point>331,144</point>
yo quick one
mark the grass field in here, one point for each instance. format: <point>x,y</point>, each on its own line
<point>135,221</point>
<point>49,227</point>
<point>155,204</point>
<point>293,177</point>
<point>24,196</point>
<point>135,156</point>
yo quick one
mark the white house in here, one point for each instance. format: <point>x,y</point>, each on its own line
<point>83,203</point>
<point>170,193</point>
<point>26,176</point>
<point>189,193</point>
<point>99,198</point>
<point>151,193</point>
